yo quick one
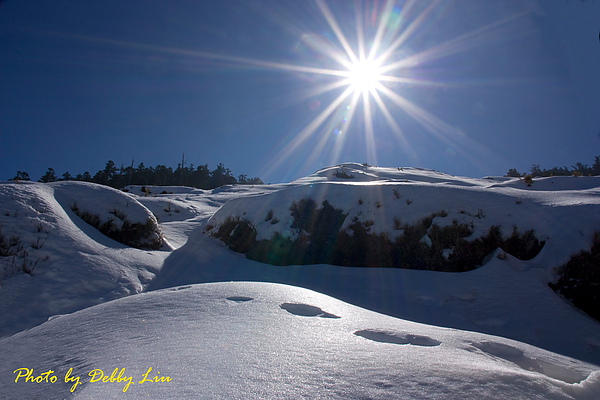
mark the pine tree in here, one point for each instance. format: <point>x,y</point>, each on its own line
<point>221,176</point>
<point>513,173</point>
<point>21,176</point>
<point>535,170</point>
<point>49,176</point>
<point>596,166</point>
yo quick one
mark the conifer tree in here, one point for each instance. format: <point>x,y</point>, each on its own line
<point>21,176</point>
<point>49,176</point>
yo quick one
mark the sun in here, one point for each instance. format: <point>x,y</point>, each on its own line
<point>364,76</point>
<point>368,74</point>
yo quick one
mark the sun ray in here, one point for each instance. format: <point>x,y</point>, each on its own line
<point>456,45</point>
<point>360,31</point>
<point>319,90</point>
<point>369,131</point>
<point>338,33</point>
<point>326,48</point>
<point>234,60</point>
<point>414,81</point>
<point>409,30</point>
<point>309,129</point>
<point>342,136</point>
<point>391,121</point>
<point>381,28</point>
<point>426,119</point>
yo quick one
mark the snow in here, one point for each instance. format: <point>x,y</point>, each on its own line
<point>77,266</point>
<point>223,326</point>
<point>260,340</point>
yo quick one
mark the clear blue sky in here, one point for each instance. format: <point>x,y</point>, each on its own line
<point>481,86</point>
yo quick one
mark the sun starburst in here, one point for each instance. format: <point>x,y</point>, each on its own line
<point>374,69</point>
<point>364,76</point>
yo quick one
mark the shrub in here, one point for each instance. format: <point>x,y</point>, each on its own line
<point>119,214</point>
<point>320,240</point>
<point>15,258</point>
<point>322,227</point>
<point>40,228</point>
<point>137,235</point>
<point>303,213</point>
<point>317,231</point>
<point>239,235</point>
<point>579,279</point>
<point>343,175</point>
<point>279,250</point>
<point>269,215</point>
<point>145,236</point>
<point>524,246</point>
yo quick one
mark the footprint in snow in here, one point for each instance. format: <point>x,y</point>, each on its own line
<point>239,299</point>
<point>305,310</point>
<point>518,357</point>
<point>397,338</point>
<point>175,289</point>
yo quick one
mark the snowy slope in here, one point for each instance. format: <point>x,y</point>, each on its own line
<point>197,332</point>
<point>259,340</point>
<point>410,194</point>
<point>76,266</point>
<point>490,299</point>
<point>72,264</point>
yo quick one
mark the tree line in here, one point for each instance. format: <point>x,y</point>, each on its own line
<point>578,169</point>
<point>119,177</point>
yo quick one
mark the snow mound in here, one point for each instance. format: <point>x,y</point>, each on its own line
<point>385,207</point>
<point>115,213</point>
<point>355,172</point>
<point>70,265</point>
<point>196,342</point>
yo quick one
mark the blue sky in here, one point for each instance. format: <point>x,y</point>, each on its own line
<point>479,86</point>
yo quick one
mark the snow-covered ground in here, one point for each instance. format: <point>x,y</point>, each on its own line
<point>268,341</point>
<point>314,331</point>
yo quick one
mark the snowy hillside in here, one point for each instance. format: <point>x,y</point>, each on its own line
<point>72,265</point>
<point>247,337</point>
